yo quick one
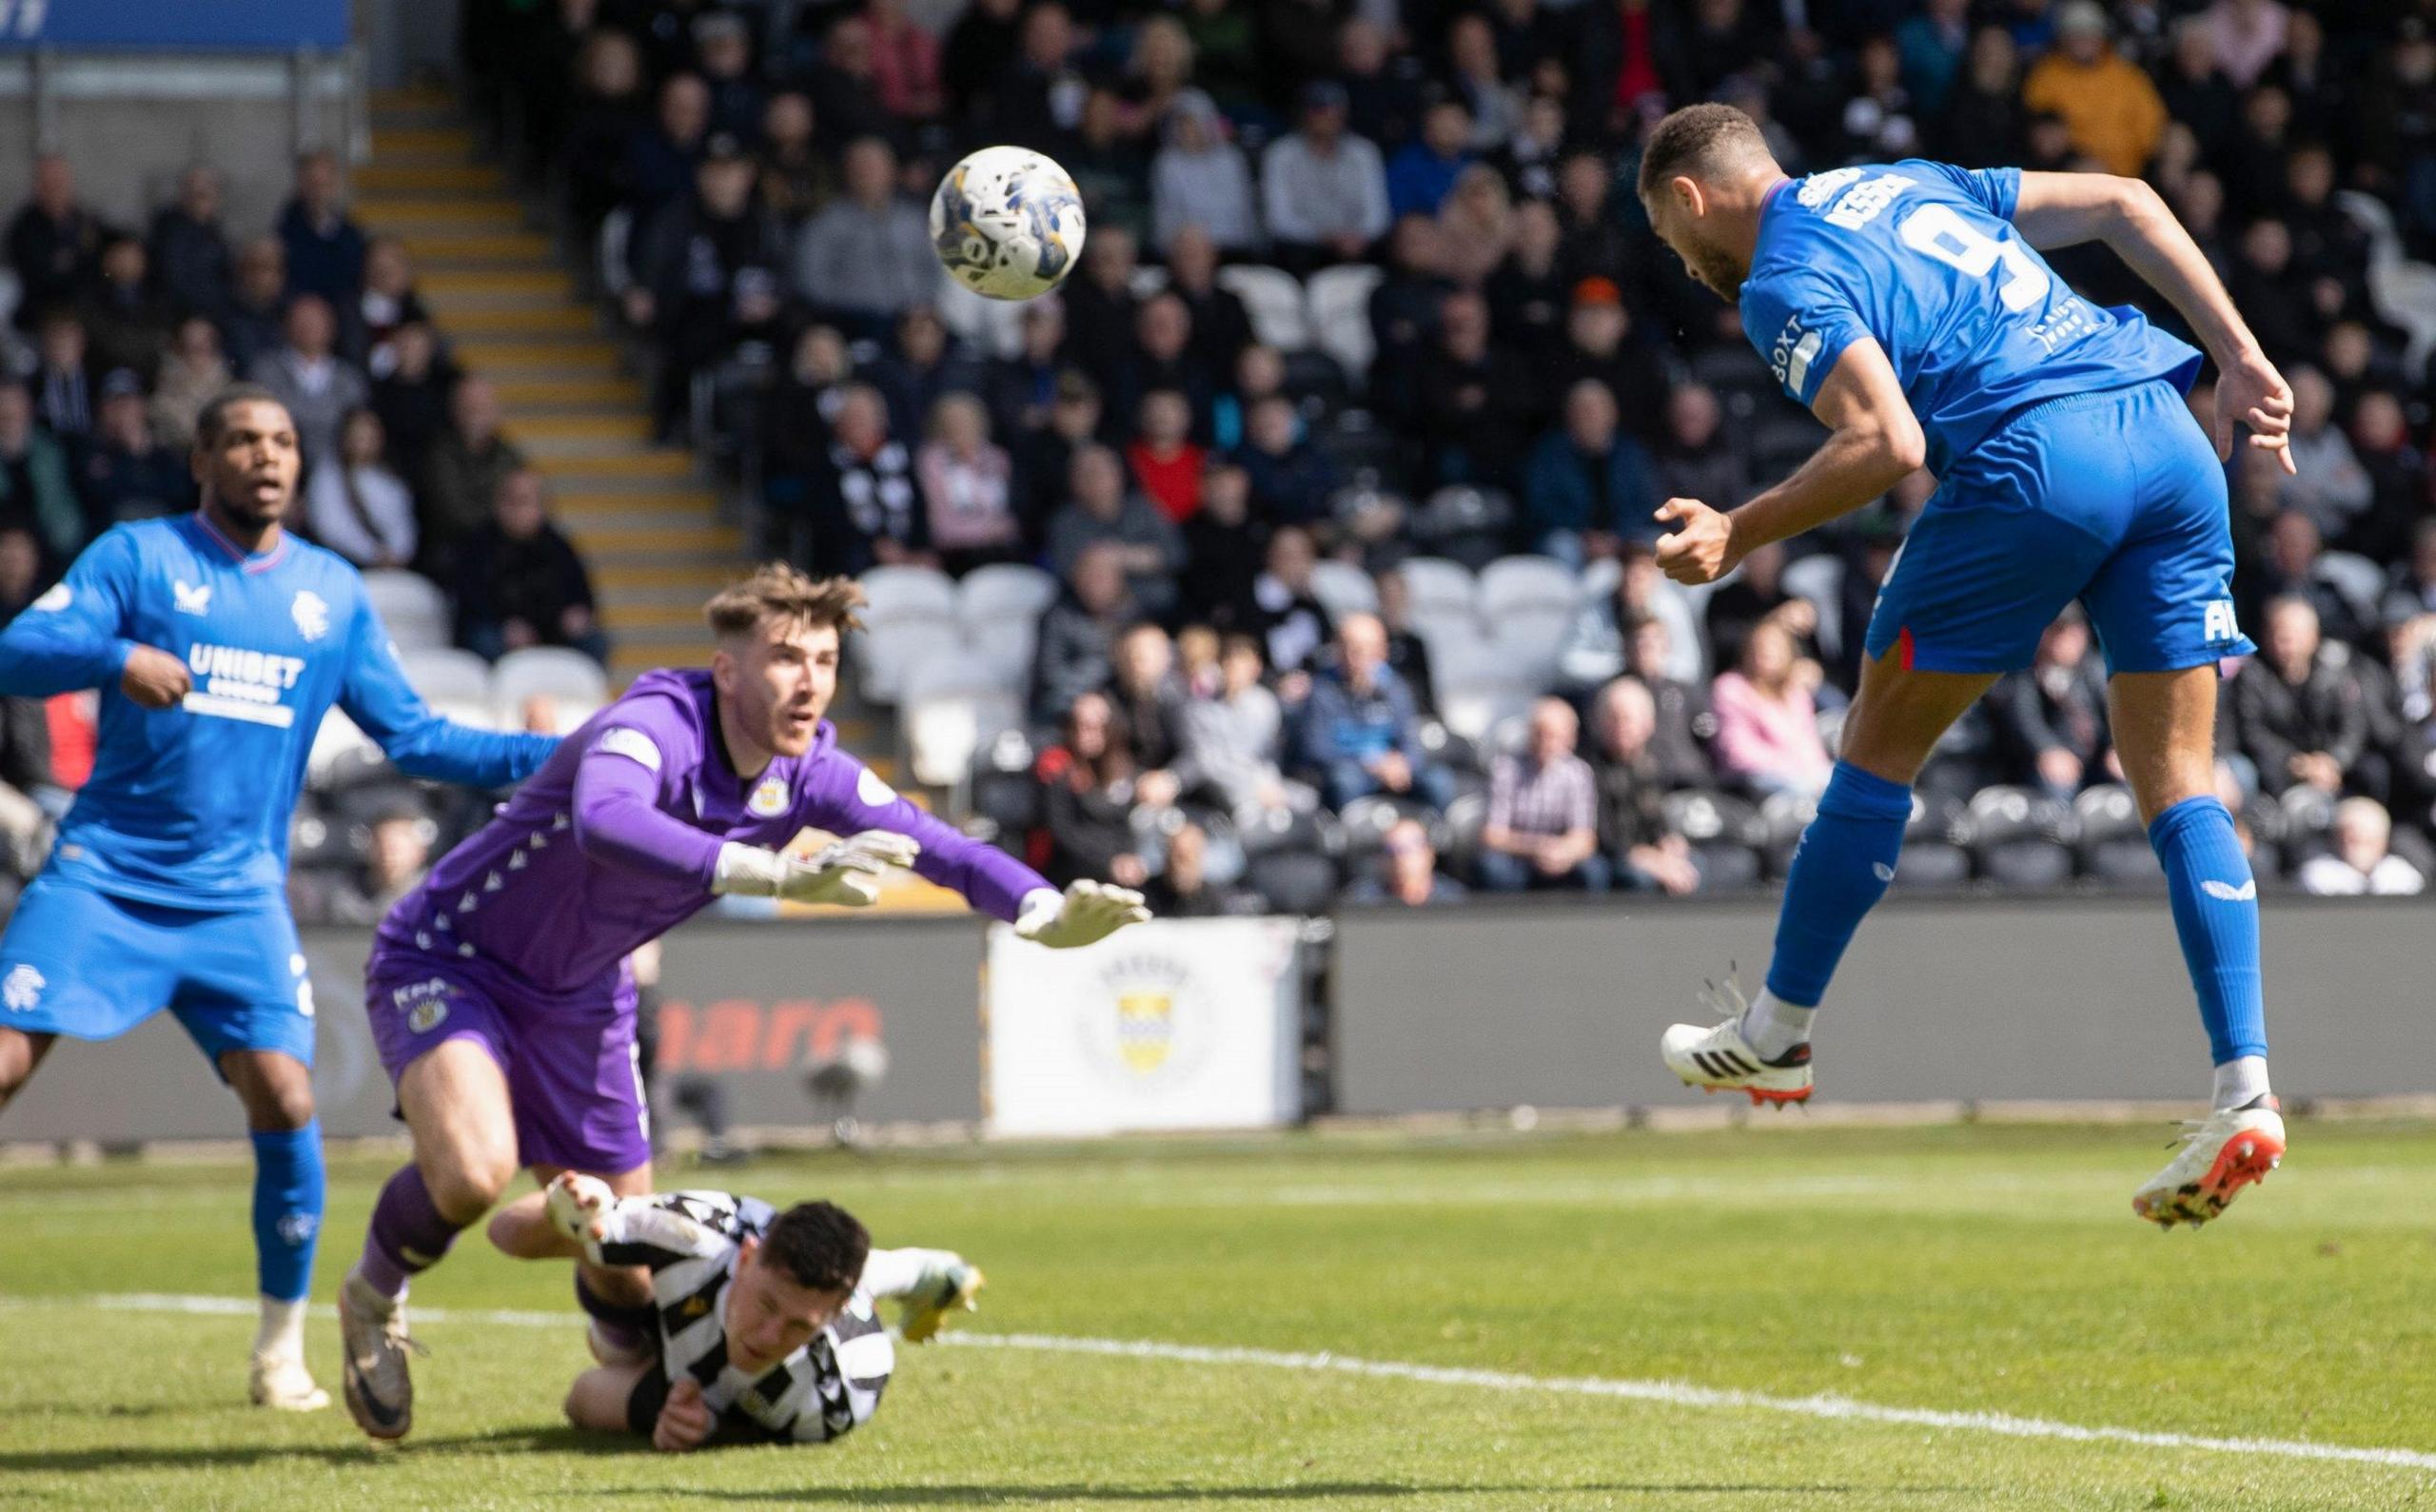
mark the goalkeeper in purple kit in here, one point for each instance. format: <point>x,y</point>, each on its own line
<point>498,990</point>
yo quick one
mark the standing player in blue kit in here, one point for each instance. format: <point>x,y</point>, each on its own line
<point>1906,306</point>
<point>218,641</point>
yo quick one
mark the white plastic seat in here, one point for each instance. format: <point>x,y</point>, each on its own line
<point>1511,584</point>
<point>1598,578</point>
<point>1003,591</point>
<point>2362,583</point>
<point>412,607</point>
<point>1473,710</point>
<point>889,650</point>
<point>1529,637</point>
<point>1006,647</point>
<point>1439,588</point>
<point>1339,302</point>
<point>952,704</point>
<point>553,672</point>
<point>1274,301</point>
<point>478,714</point>
<point>1143,282</point>
<point>907,593</point>
<point>446,675</point>
<point>337,741</point>
<point>1344,588</point>
<point>992,327</point>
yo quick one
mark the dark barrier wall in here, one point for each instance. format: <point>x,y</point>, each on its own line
<point>1561,1006</point>
<point>752,1002</point>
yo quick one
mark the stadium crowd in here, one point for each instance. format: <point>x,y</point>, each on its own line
<point>1365,292</point>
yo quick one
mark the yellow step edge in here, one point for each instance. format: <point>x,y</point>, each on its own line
<point>709,577</point>
<point>544,392</point>
<point>653,616</point>
<point>412,98</point>
<point>399,210</point>
<point>501,281</point>
<point>441,244</point>
<point>654,538</point>
<point>632,464</point>
<point>500,352</point>
<point>420,139</point>
<point>579,427</point>
<point>678,507</point>
<point>423,178</point>
<point>535,320</point>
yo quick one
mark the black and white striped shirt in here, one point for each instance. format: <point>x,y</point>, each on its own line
<point>691,1240</point>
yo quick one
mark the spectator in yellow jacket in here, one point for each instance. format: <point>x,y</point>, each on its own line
<point>2112,109</point>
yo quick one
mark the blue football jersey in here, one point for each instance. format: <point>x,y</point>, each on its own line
<point>1923,256</point>
<point>191,805</point>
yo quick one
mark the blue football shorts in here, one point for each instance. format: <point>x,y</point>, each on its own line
<point>83,963</point>
<point>2116,498</point>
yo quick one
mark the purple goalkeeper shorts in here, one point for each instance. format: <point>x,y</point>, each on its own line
<point>573,1077</point>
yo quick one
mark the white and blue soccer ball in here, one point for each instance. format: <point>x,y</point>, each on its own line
<point>1007,223</point>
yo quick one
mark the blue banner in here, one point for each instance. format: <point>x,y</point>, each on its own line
<point>253,26</point>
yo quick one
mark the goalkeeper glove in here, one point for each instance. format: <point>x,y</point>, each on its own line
<point>846,872</point>
<point>1085,913</point>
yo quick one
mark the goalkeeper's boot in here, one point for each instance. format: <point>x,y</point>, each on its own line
<point>2229,1149</point>
<point>283,1384</point>
<point>949,1284</point>
<point>372,1331</point>
<point>1718,1059</point>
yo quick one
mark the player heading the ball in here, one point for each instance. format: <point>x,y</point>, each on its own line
<point>1907,304</point>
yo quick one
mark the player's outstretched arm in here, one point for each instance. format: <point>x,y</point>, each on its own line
<point>2064,210</point>
<point>378,698</point>
<point>1873,441</point>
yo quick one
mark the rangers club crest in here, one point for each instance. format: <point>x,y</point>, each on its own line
<point>22,988</point>
<point>312,615</point>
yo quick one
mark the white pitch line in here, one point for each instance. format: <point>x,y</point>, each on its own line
<point>1665,1393</point>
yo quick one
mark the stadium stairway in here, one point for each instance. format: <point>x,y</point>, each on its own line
<point>642,514</point>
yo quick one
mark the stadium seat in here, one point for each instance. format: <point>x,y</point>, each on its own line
<point>412,607</point>
<point>2112,844</point>
<point>1599,578</point>
<point>2362,583</point>
<point>1366,823</point>
<point>1003,789</point>
<point>569,678</point>
<point>951,706</point>
<point>1145,281</point>
<point>339,747</point>
<point>1783,817</point>
<point>1358,446</point>
<point>1339,300</point>
<point>995,328</point>
<point>1457,834</point>
<point>1344,588</point>
<point>1512,583</point>
<point>610,254</point>
<point>907,593</point>
<point>1530,637</point>
<point>1934,845</point>
<point>1293,881</point>
<point>1473,709</point>
<point>1273,299</point>
<point>2021,837</point>
<point>1285,830</point>
<point>1316,383</point>
<point>1464,525</point>
<point>1008,647</point>
<point>1003,591</point>
<point>1441,590</point>
<point>889,650</point>
<point>2405,293</point>
<point>443,675</point>
<point>2370,214</point>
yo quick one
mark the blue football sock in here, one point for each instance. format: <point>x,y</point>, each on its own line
<point>2215,912</point>
<point>287,1209</point>
<point>1845,860</point>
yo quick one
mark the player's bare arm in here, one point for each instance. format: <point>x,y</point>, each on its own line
<point>1873,442</point>
<point>2065,209</point>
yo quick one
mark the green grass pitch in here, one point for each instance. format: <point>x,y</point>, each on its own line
<point>1960,1270</point>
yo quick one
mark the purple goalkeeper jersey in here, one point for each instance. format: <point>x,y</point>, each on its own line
<point>615,840</point>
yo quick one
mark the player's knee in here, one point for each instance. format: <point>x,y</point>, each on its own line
<point>280,1107</point>
<point>467,1182</point>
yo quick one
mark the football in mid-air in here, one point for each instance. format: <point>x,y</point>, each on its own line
<point>1008,221</point>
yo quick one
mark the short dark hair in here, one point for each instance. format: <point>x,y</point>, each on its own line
<point>1696,140</point>
<point>820,1245</point>
<point>213,419</point>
